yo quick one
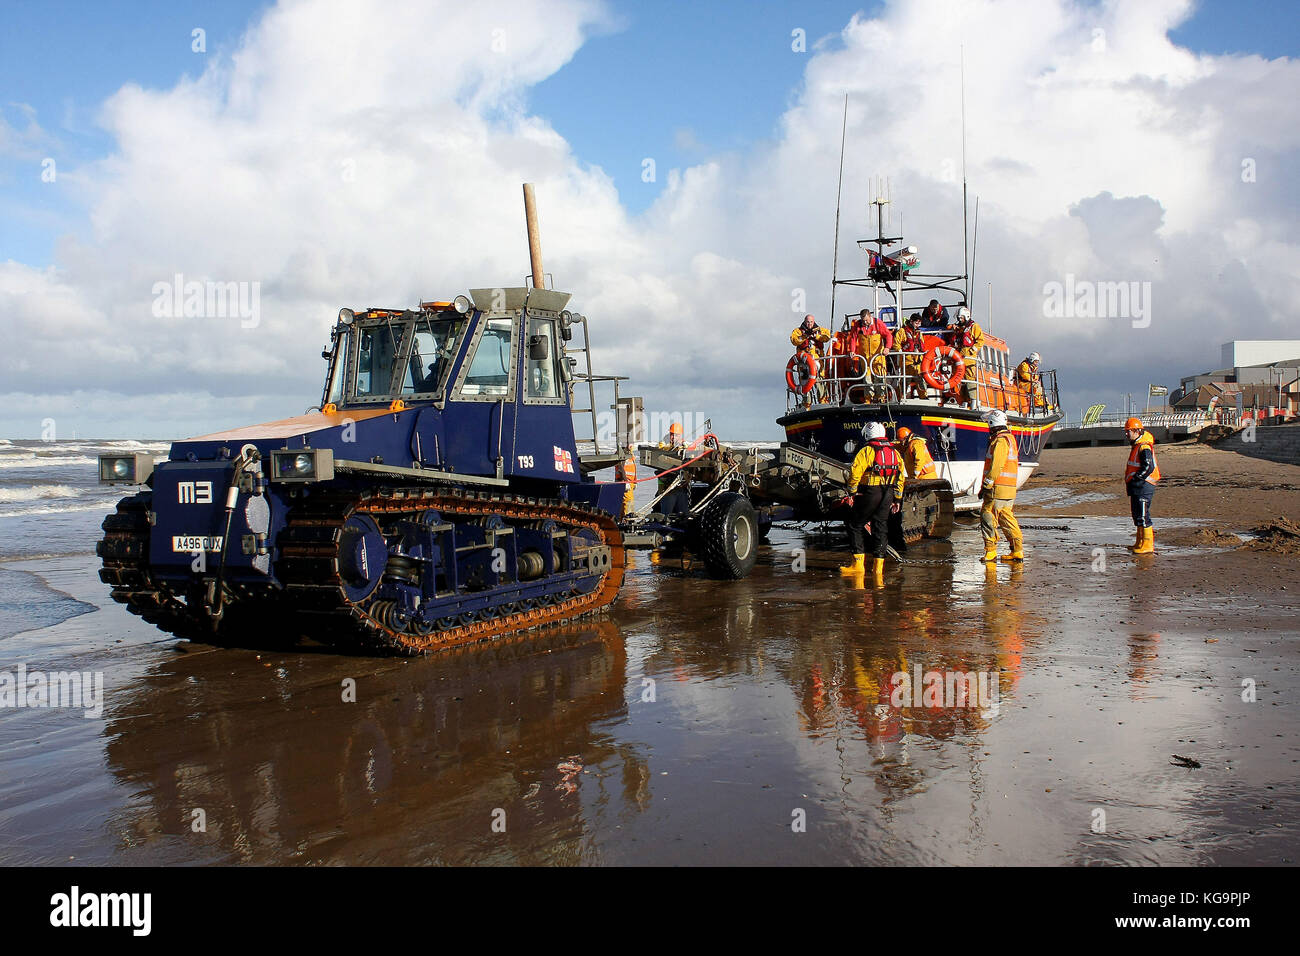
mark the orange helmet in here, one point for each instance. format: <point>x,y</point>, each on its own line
<point>904,433</point>
<point>675,428</point>
<point>1132,423</point>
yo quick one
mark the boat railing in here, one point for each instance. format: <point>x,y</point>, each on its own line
<point>895,376</point>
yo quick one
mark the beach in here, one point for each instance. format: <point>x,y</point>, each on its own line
<point>1137,710</point>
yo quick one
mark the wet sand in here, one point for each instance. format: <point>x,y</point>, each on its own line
<point>700,722</point>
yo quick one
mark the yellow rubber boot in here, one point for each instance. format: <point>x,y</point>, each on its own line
<point>856,567</point>
<point>1138,537</point>
<point>878,566</point>
<point>1017,551</point>
<point>990,551</point>
<point>1148,543</point>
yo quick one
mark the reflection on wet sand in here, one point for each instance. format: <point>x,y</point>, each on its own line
<point>432,754</point>
<point>686,728</point>
<point>840,648</point>
<point>887,688</point>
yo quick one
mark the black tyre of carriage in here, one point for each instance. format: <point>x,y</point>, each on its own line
<point>728,536</point>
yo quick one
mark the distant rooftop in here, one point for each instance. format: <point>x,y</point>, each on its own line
<point>1243,353</point>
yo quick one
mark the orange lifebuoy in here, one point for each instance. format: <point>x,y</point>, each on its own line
<point>810,357</point>
<point>943,368</point>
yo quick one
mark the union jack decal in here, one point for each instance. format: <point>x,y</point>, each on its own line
<point>563,460</point>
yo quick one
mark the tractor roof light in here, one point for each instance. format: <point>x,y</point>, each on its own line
<point>346,316</point>
<point>462,304</point>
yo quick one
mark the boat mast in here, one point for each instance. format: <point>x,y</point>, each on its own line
<point>835,264</point>
<point>964,248</point>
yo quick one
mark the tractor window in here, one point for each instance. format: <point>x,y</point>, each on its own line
<point>542,362</point>
<point>432,350</point>
<point>489,370</point>
<point>375,361</point>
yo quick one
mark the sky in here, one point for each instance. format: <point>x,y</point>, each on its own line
<point>320,153</point>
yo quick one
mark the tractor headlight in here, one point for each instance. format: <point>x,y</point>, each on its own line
<point>461,304</point>
<point>346,316</point>
<point>311,464</point>
<point>125,469</point>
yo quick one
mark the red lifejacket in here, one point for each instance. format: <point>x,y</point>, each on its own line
<point>887,462</point>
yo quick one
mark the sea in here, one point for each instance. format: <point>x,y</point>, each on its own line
<point>52,506</point>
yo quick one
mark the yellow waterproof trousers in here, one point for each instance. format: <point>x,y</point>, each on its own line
<point>994,514</point>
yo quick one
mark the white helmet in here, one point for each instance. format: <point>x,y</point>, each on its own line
<point>963,314</point>
<point>873,430</point>
<point>1035,357</point>
<point>997,418</point>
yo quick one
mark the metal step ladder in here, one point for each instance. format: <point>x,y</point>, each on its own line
<point>592,454</point>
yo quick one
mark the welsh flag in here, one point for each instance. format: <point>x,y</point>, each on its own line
<point>563,459</point>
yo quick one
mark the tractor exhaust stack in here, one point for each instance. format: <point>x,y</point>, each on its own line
<point>534,237</point>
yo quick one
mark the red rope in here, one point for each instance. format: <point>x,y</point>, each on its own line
<point>690,461</point>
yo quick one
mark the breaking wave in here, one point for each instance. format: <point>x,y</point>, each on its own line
<point>37,492</point>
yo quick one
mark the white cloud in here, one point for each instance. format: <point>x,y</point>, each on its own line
<point>346,155</point>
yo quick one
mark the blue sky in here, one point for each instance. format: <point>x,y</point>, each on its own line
<point>674,80</point>
<point>1115,162</point>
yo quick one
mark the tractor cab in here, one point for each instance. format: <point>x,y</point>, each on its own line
<point>380,356</point>
<point>480,384</point>
<point>502,345</point>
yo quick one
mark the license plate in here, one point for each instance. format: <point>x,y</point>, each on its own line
<point>192,543</point>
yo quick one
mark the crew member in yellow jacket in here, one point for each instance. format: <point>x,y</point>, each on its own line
<point>916,455</point>
<point>998,490</point>
<point>875,491</point>
<point>969,338</point>
<point>625,471</point>
<point>1031,389</point>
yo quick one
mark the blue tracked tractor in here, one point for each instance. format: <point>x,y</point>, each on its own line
<point>435,498</point>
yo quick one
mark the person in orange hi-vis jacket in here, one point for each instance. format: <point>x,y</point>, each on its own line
<point>998,490</point>
<point>1140,477</point>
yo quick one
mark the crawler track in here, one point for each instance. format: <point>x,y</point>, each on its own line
<point>313,600</point>
<point>927,510</point>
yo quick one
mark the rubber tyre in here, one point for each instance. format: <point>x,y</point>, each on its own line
<point>728,536</point>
